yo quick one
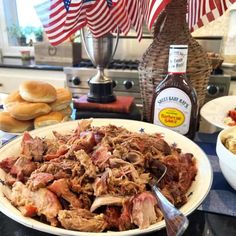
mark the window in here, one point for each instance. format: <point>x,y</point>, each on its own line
<point>20,26</point>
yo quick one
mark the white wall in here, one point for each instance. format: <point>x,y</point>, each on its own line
<point>223,26</point>
<point>10,78</point>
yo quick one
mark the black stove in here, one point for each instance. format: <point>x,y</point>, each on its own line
<point>124,65</point>
<point>124,74</point>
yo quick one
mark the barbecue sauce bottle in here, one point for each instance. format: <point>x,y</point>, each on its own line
<point>175,104</point>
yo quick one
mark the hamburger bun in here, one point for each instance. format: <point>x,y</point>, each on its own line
<point>52,118</point>
<point>67,111</point>
<point>37,91</point>
<point>11,99</point>
<point>28,110</point>
<point>10,124</point>
<point>63,100</point>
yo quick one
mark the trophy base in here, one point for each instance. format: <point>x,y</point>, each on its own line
<point>101,93</point>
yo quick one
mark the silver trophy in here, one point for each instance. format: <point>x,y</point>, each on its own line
<point>100,51</point>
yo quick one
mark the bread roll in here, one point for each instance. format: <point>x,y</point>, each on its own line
<point>37,91</point>
<point>64,98</point>
<point>52,118</point>
<point>10,124</point>
<point>67,111</point>
<point>28,110</point>
<point>11,99</point>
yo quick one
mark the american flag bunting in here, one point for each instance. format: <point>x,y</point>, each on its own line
<point>135,15</point>
<point>76,14</point>
<point>62,18</point>
<point>202,12</point>
<point>99,18</point>
<point>120,16</point>
<point>52,15</point>
<point>144,5</point>
<point>108,15</point>
<point>154,9</point>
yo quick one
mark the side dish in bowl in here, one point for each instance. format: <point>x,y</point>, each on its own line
<point>226,151</point>
<point>230,119</point>
<point>220,112</point>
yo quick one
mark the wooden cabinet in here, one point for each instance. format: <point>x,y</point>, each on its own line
<point>232,88</point>
<point>65,54</point>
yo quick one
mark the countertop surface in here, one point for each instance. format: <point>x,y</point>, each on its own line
<point>18,63</point>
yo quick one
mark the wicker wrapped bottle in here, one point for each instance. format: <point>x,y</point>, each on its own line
<point>171,28</point>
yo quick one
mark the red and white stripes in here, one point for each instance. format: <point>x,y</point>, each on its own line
<point>62,18</point>
<point>155,7</point>
<point>201,12</point>
<point>52,15</point>
<point>136,16</point>
<point>99,18</point>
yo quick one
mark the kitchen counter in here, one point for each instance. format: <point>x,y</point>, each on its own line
<point>18,63</point>
<point>14,71</point>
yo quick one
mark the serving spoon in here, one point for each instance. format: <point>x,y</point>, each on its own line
<point>176,221</point>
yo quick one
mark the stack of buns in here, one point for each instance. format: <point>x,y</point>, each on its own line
<point>36,104</point>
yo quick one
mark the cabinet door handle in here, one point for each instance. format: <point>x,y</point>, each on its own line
<point>52,51</point>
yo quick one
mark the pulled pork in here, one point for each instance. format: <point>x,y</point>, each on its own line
<point>96,179</point>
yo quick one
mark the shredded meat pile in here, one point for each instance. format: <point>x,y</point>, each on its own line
<point>95,178</point>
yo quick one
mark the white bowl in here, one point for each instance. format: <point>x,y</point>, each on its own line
<point>227,159</point>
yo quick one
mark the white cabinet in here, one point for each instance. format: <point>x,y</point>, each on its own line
<point>11,78</point>
<point>232,88</point>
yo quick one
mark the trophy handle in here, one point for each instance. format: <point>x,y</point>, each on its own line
<point>86,50</point>
<point>116,43</point>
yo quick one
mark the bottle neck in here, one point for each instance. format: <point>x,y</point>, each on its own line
<point>172,22</point>
<point>177,60</point>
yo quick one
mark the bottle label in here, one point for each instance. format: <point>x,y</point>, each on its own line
<point>178,59</point>
<point>172,109</point>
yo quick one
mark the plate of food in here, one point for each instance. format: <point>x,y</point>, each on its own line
<point>91,177</point>
<point>220,112</point>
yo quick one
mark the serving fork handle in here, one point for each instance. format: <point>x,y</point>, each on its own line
<point>176,221</point>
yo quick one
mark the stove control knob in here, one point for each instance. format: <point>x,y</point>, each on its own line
<point>128,84</point>
<point>76,80</point>
<point>212,89</point>
<point>114,83</point>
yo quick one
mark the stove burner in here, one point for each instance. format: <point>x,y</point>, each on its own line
<point>85,63</point>
<point>124,64</point>
<point>115,64</point>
